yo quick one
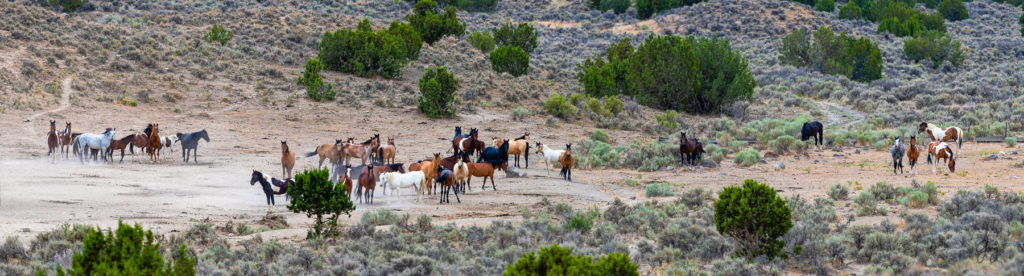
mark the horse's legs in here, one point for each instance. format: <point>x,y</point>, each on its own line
<point>492,183</point>
<point>456,197</point>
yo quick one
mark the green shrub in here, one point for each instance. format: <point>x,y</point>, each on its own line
<point>907,27</point>
<point>315,87</point>
<point>1011,141</point>
<point>432,25</point>
<point>437,93</point>
<point>599,135</point>
<point>917,199</point>
<point>825,5</point>
<point>867,204</point>
<point>381,217</point>
<point>619,6</point>
<point>747,158</point>
<point>647,8</point>
<point>756,216</point>
<point>595,106</point>
<point>935,46</point>
<point>1021,22</point>
<point>838,192</point>
<point>658,189</point>
<point>364,52</point>
<point>582,221</point>
<point>482,41</point>
<point>555,260</point>
<point>850,11</point>
<point>782,144</point>
<point>131,251</point>
<point>522,36</point>
<point>315,195</point>
<point>218,34</point>
<point>613,105</point>
<point>470,5</point>
<point>953,10</point>
<point>576,99</point>
<point>559,106</point>
<point>68,6</point>
<point>510,59</point>
<point>667,119</point>
<point>519,113</point>
<point>857,59</point>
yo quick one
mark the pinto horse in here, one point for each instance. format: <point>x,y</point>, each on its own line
<point>119,144</point>
<point>949,134</point>
<point>53,140</point>
<point>567,161</point>
<point>913,153</point>
<point>465,144</point>
<point>941,151</point>
<point>267,189</point>
<point>140,140</point>
<point>287,160</point>
<point>334,152</point>
<point>813,130</point>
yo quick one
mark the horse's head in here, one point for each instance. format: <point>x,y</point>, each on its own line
<point>952,162</point>
<point>256,176</point>
<point>913,139</point>
<point>437,157</point>
<point>568,147</point>
<point>540,147</point>
<point>53,125</point>
<point>284,146</point>
<point>391,141</point>
<point>922,127</point>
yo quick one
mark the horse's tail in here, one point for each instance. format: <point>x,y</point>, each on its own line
<point>959,138</point>
<point>311,154</point>
<point>929,158</point>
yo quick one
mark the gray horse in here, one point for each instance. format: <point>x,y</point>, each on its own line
<point>897,156</point>
<point>190,141</point>
<point>94,141</point>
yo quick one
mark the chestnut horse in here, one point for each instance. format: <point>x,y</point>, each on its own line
<point>287,160</point>
<point>154,146</point>
<point>65,140</point>
<point>954,134</point>
<point>368,182</point>
<point>567,161</point>
<point>430,169</point>
<point>913,153</point>
<point>484,170</point>
<point>941,151</point>
<point>387,152</point>
<point>331,152</point>
<point>53,140</point>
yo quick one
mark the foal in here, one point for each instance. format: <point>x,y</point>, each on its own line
<point>287,160</point>
<point>913,153</point>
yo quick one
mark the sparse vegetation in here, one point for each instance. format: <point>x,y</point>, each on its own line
<point>315,87</point>
<point>747,158</point>
<point>857,59</point>
<point>659,189</point>
<point>482,41</point>
<point>431,24</point>
<point>935,47</point>
<point>559,105</point>
<point>364,52</point>
<point>755,216</point>
<point>838,192</point>
<point>218,34</point>
<point>1011,141</point>
<point>437,93</point>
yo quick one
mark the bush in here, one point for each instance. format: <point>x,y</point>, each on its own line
<point>437,93</point>
<point>364,52</point>
<point>838,192</point>
<point>432,25</point>
<point>12,250</point>
<point>613,105</point>
<point>594,105</point>
<point>1011,141</point>
<point>218,34</point>
<point>917,199</point>
<point>68,6</point>
<point>510,59</point>
<point>667,119</point>
<point>482,41</point>
<point>747,158</point>
<point>382,217</point>
<point>1021,21</point>
<point>522,36</point>
<point>825,5</point>
<point>953,10</point>
<point>558,105</point>
<point>315,87</point>
<point>131,251</point>
<point>857,59</point>
<point>756,216</point>
<point>659,189</point>
<point>868,204</point>
<point>519,113</point>
<point>315,195</point>
<point>647,8</point>
<point>555,260</point>
<point>782,144</point>
<point>850,11</point>
<point>935,46</point>
<point>619,6</point>
<point>470,5</point>
<point>599,135</point>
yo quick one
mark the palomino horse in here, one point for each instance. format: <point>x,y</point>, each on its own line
<point>287,160</point>
<point>516,147</point>
<point>941,151</point>
<point>388,151</point>
<point>461,171</point>
<point>913,153</point>
<point>397,180</point>
<point>331,152</point>
<point>446,179</point>
<point>153,148</point>
<point>361,150</point>
<point>119,144</point>
<point>190,143</point>
<point>567,161</point>
<point>94,141</point>
<point>550,156</point>
<point>465,144</point>
<point>813,130</point>
<point>949,134</point>
<point>53,140</point>
<point>897,151</point>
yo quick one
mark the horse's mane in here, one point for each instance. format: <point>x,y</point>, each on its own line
<point>367,141</point>
<point>521,138</point>
<point>395,167</point>
<point>149,130</point>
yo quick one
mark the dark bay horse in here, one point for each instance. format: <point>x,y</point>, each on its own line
<point>688,150</point>
<point>119,144</point>
<point>190,142</point>
<point>813,130</point>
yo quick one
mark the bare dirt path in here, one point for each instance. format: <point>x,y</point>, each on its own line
<point>840,116</point>
<point>65,102</point>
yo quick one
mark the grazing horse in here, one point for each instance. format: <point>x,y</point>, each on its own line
<point>396,180</point>
<point>465,144</point>
<point>567,161</point>
<point>913,153</point>
<point>446,179</point>
<point>813,130</point>
<point>387,152</point>
<point>53,140</point>
<point>461,171</point>
<point>367,182</point>
<point>897,156</point>
<point>550,156</point>
<point>361,150</point>
<point>484,170</point>
<point>287,160</point>
<point>331,152</point>
<point>119,144</point>
<point>153,148</point>
<point>65,140</point>
<point>516,147</point>
<point>941,150</point>
<point>496,156</point>
<point>429,169</point>
<point>268,190</point>
<point>949,134</point>
<point>190,142</point>
<point>94,141</point>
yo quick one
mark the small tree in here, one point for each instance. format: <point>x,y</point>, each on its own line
<point>315,87</point>
<point>935,46</point>
<point>555,260</point>
<point>619,6</point>
<point>68,6</point>
<point>953,10</point>
<point>315,195</point>
<point>825,5</point>
<point>482,41</point>
<point>510,59</point>
<point>431,25</point>
<point>522,36</point>
<point>850,11</point>
<point>559,105</point>
<point>132,251</point>
<point>437,89</point>
<point>1021,21</point>
<point>218,34</point>
<point>755,216</point>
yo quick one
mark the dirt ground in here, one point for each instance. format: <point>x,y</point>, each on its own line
<point>37,195</point>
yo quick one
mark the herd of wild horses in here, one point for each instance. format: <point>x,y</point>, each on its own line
<point>435,175</point>
<point>64,142</point>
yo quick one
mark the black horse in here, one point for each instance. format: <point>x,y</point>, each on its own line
<point>267,188</point>
<point>813,130</point>
<point>190,141</point>
<point>495,156</point>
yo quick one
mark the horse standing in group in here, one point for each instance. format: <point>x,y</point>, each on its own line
<point>897,152</point>
<point>287,160</point>
<point>268,190</point>
<point>388,151</point>
<point>94,141</point>
<point>430,169</point>
<point>65,140</point>
<point>912,154</point>
<point>690,150</point>
<point>120,144</point>
<point>334,153</point>
<point>361,150</point>
<point>550,156</point>
<point>516,147</point>
<point>53,141</point>
<point>367,182</point>
<point>567,161</point>
<point>941,151</point>
<point>465,144</point>
<point>140,140</point>
<point>484,170</point>
<point>949,134</point>
<point>154,146</point>
<point>813,130</point>
<point>497,156</point>
<point>190,143</point>
<point>446,179</point>
<point>396,180</point>
<point>461,171</point>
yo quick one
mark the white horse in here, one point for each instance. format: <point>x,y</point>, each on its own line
<point>168,142</point>
<point>550,156</point>
<point>395,180</point>
<point>101,142</point>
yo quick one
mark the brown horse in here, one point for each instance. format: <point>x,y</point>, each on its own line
<point>152,131</point>
<point>449,162</point>
<point>415,166</point>
<point>287,160</point>
<point>361,150</point>
<point>331,152</point>
<point>518,146</point>
<point>567,161</point>
<point>465,144</point>
<point>368,182</point>
<point>940,150</point>
<point>119,144</point>
<point>429,169</point>
<point>484,170</point>
<point>140,140</point>
<point>65,139</point>
<point>688,152</point>
<point>388,151</point>
<point>913,153</point>
<point>346,182</point>
<point>446,179</point>
<point>53,139</point>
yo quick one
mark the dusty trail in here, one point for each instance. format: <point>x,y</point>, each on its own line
<point>840,116</point>
<point>65,102</point>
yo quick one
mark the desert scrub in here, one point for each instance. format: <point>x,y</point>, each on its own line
<point>658,190</point>
<point>857,59</point>
<point>510,59</point>
<point>934,46</point>
<point>651,155</point>
<point>555,260</point>
<point>782,144</point>
<point>218,34</point>
<point>667,119</point>
<point>747,158</point>
<point>315,87</point>
<point>558,105</point>
<point>316,196</point>
<point>1011,141</point>
<point>383,217</point>
<point>867,204</point>
<point>838,192</point>
<point>520,113</point>
<point>756,216</point>
<point>437,93</point>
<point>431,24</point>
<point>599,135</point>
<point>599,154</point>
<point>613,105</point>
<point>482,41</point>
